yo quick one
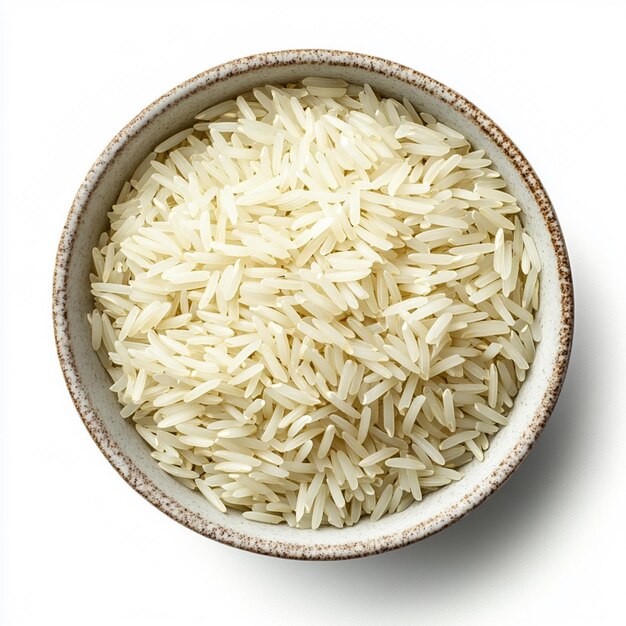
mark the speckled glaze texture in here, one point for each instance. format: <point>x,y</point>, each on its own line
<point>117,439</point>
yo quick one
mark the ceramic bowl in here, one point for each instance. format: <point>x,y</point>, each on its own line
<point>88,382</point>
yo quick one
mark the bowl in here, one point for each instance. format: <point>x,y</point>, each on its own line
<point>98,407</point>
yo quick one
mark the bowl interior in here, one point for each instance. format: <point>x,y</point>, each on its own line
<point>89,382</point>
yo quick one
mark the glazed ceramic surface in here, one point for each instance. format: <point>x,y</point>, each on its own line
<point>88,382</point>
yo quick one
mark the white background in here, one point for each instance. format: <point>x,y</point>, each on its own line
<point>80,547</point>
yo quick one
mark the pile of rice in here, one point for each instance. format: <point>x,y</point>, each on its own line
<point>315,304</point>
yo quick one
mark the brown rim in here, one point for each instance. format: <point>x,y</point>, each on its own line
<point>127,468</point>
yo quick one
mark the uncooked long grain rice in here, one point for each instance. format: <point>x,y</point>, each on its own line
<point>315,303</point>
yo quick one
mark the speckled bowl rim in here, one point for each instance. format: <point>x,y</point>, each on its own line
<point>125,465</point>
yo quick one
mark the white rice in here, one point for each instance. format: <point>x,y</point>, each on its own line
<point>315,304</point>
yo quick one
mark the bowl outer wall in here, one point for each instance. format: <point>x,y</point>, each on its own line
<point>98,407</point>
